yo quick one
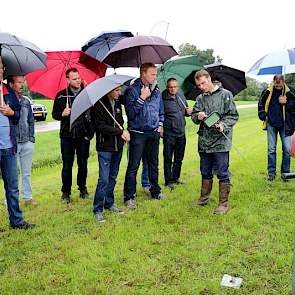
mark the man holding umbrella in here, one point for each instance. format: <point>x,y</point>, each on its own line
<point>276,108</point>
<point>213,146</point>
<point>9,116</point>
<point>145,112</point>
<point>72,141</point>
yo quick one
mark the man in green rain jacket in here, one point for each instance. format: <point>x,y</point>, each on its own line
<point>213,146</point>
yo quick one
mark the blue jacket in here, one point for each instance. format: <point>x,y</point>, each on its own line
<point>143,115</point>
<point>12,100</point>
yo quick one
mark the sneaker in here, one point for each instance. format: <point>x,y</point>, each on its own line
<point>65,198</point>
<point>116,210</point>
<point>131,204</point>
<point>146,190</point>
<point>99,217</point>
<point>170,185</point>
<point>30,202</point>
<point>271,177</point>
<point>160,196</point>
<point>24,225</point>
<point>177,182</point>
<point>84,194</point>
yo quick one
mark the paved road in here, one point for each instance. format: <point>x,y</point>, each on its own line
<point>44,127</point>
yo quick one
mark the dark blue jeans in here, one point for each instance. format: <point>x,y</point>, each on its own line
<point>272,135</point>
<point>138,143</point>
<point>70,146</point>
<point>174,148</point>
<point>220,162</point>
<point>8,162</point>
<point>145,173</point>
<point>109,163</point>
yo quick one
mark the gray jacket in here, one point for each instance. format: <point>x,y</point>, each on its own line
<point>25,129</point>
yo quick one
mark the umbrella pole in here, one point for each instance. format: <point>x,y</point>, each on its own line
<point>118,124</point>
<point>67,93</point>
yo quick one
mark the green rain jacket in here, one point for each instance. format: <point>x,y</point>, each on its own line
<point>221,101</point>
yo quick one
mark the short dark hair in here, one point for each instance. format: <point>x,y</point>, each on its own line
<point>171,79</point>
<point>144,67</point>
<point>10,79</point>
<point>68,71</point>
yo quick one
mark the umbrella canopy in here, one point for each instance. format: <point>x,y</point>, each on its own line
<point>99,46</point>
<point>135,51</point>
<point>276,62</point>
<point>179,68</point>
<point>231,79</point>
<point>20,56</point>
<point>95,91</point>
<point>52,79</point>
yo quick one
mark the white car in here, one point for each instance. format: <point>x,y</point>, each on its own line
<point>39,110</point>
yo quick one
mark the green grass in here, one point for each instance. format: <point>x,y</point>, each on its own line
<point>163,247</point>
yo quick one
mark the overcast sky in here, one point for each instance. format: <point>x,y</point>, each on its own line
<point>239,31</point>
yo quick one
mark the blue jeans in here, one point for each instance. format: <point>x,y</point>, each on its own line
<point>145,182</point>
<point>109,163</point>
<point>139,143</point>
<point>272,134</point>
<point>218,161</point>
<point>8,163</point>
<point>25,153</point>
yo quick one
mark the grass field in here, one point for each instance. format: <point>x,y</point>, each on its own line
<point>163,247</point>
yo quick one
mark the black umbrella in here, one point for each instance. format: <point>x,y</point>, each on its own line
<point>231,79</point>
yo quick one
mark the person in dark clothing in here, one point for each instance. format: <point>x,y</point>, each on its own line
<point>276,108</point>
<point>9,117</point>
<point>109,145</point>
<point>145,112</point>
<point>73,141</point>
<point>174,140</point>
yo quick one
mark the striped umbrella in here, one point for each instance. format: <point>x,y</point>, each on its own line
<point>276,62</point>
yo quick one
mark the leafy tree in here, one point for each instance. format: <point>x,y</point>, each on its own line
<point>206,56</point>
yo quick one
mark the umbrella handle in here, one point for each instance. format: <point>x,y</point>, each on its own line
<point>118,124</point>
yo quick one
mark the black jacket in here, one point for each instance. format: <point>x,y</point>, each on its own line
<point>108,134</point>
<point>174,114</point>
<point>275,110</point>
<point>83,126</point>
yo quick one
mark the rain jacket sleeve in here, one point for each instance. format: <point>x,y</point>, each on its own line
<point>261,105</point>
<point>58,108</point>
<point>198,107</point>
<point>134,104</point>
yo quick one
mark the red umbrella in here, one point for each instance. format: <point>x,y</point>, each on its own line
<point>52,79</point>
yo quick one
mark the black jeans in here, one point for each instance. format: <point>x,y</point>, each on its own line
<point>139,142</point>
<point>70,146</point>
<point>174,148</point>
<point>218,161</point>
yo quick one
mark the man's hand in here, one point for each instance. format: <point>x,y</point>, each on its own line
<point>6,110</point>
<point>220,127</point>
<point>201,116</point>
<point>282,99</point>
<point>145,93</point>
<point>189,110</point>
<point>125,135</point>
<point>66,112</point>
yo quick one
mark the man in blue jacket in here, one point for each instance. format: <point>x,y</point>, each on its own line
<point>9,116</point>
<point>145,113</point>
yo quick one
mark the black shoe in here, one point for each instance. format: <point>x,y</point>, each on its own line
<point>65,198</point>
<point>177,182</point>
<point>84,194</point>
<point>160,196</point>
<point>24,225</point>
<point>170,185</point>
<point>271,177</point>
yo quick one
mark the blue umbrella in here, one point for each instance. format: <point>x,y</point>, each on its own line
<point>99,46</point>
<point>276,62</point>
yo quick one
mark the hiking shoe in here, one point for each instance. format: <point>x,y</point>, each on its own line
<point>170,185</point>
<point>99,217</point>
<point>84,194</point>
<point>30,202</point>
<point>221,209</point>
<point>24,225</point>
<point>177,182</point>
<point>160,196</point>
<point>271,177</point>
<point>116,210</point>
<point>146,190</point>
<point>131,204</point>
<point>65,198</point>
